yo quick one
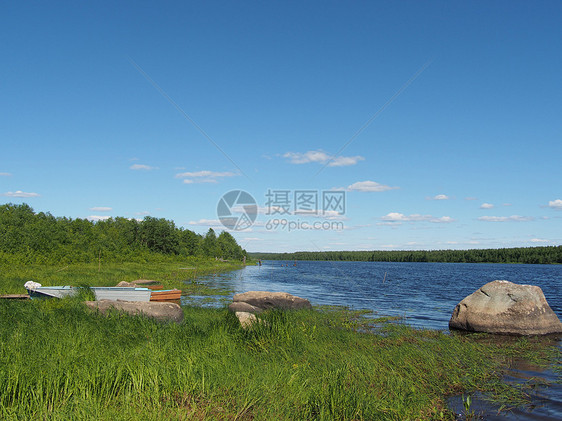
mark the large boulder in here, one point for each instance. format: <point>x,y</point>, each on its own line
<point>506,308</point>
<point>157,310</point>
<point>266,300</point>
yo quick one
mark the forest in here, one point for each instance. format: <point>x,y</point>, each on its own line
<point>534,255</point>
<point>30,237</point>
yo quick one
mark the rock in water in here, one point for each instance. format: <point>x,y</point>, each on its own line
<point>266,300</point>
<point>506,308</point>
<point>157,310</point>
<point>248,304</point>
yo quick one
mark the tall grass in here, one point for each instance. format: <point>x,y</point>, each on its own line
<point>59,361</point>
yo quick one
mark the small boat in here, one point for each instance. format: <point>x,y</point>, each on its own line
<point>101,293</point>
<point>166,295</point>
<point>122,293</point>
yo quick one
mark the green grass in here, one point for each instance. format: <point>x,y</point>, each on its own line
<point>172,273</point>
<point>59,361</point>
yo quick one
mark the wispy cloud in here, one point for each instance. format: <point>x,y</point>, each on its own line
<point>5,174</point>
<point>322,157</point>
<point>439,197</point>
<point>204,176</point>
<point>512,218</point>
<point>199,180</point>
<point>486,206</point>
<point>538,240</point>
<point>555,204</point>
<point>395,218</point>
<point>470,198</point>
<point>206,223</point>
<point>98,217</point>
<point>368,186</point>
<point>142,167</point>
<point>101,209</point>
<point>20,193</point>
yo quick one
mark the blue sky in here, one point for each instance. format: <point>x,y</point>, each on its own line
<point>144,108</point>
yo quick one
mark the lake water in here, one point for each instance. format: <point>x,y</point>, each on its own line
<point>425,294</point>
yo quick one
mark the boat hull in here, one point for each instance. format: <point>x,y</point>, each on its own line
<point>101,293</point>
<point>166,295</point>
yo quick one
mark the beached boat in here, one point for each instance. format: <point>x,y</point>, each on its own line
<point>122,293</point>
<point>101,293</point>
<point>166,295</point>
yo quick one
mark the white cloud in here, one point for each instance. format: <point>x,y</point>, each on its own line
<point>98,217</point>
<point>5,174</point>
<point>369,186</point>
<point>142,213</point>
<point>486,206</point>
<point>538,240</point>
<point>512,218</point>
<point>396,217</point>
<point>555,204</point>
<point>439,197</point>
<point>142,167</point>
<point>199,180</point>
<point>20,193</point>
<point>204,176</point>
<point>322,157</point>
<point>101,209</point>
<point>206,223</point>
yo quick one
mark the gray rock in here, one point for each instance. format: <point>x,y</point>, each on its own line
<point>157,310</point>
<point>506,308</point>
<point>267,300</point>
<point>144,282</point>
<point>241,306</point>
<point>126,284</point>
<point>246,319</point>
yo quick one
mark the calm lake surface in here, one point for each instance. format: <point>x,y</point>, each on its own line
<point>425,294</point>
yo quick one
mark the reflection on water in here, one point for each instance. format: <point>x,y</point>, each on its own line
<point>425,294</point>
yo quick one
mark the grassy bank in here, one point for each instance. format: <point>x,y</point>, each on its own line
<point>58,361</point>
<point>171,272</point>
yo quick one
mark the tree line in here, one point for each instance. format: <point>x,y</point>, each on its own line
<point>536,255</point>
<point>43,238</point>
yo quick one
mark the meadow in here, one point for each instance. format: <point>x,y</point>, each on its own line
<point>59,361</point>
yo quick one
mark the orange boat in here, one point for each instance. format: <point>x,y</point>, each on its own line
<point>165,295</point>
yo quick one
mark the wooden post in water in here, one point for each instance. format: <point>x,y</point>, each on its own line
<point>383,279</point>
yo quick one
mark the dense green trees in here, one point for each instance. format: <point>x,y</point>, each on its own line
<point>539,255</point>
<point>42,238</point>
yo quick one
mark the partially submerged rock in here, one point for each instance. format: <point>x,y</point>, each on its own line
<point>506,308</point>
<point>266,300</point>
<point>157,310</point>
<point>246,305</point>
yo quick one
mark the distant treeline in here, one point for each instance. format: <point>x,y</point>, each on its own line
<point>540,255</point>
<point>26,236</point>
